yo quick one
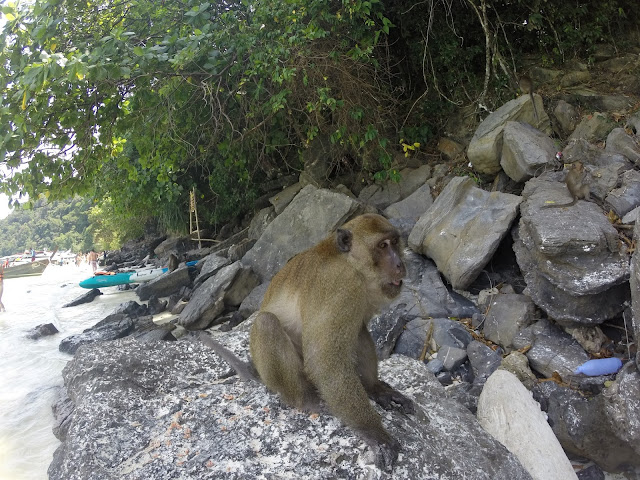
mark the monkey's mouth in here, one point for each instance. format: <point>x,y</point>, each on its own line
<point>397,283</point>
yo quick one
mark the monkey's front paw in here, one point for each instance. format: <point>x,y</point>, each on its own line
<point>386,454</point>
<point>392,398</point>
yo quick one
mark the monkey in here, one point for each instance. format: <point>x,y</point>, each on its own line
<point>526,85</point>
<point>173,262</point>
<point>576,181</point>
<point>309,341</point>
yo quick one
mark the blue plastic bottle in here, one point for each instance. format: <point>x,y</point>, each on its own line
<point>599,366</point>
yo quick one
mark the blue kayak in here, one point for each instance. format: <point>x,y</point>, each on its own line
<point>140,276</point>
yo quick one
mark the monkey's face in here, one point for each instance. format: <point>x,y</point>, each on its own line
<point>387,256</point>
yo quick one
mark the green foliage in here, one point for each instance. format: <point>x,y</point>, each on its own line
<point>61,224</point>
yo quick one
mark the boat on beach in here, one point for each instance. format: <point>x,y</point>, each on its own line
<point>25,268</point>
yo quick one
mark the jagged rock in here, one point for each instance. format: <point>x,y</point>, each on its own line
<point>619,141</point>
<point>383,195</point>
<point>450,339</point>
<point>526,151</point>
<point>62,409</point>
<point>485,147</point>
<point>518,364</point>
<point>593,128</point>
<point>166,284</point>
<point>146,330</point>
<point>131,309</point>
<point>508,412</point>
<point>463,228</point>
<point>483,360</point>
<point>551,349</point>
<point>160,410</point>
<point>44,330</point>
<point>508,314</point>
<point>627,196</point>
<point>583,427</point>
<point>84,298</point>
<point>307,220</point>
<point>112,327</point>
<point>386,327</point>
<point>156,306</point>
<point>210,266</point>
<point>227,287</point>
<point>172,244</point>
<point>237,251</point>
<point>284,198</point>
<point>622,408</point>
<point>570,257</point>
<point>567,116</point>
<point>260,221</point>
<point>412,207</point>
<point>252,302</point>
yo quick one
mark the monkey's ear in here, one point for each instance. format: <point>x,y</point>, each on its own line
<point>343,239</point>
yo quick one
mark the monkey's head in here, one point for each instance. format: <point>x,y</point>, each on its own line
<point>374,248</point>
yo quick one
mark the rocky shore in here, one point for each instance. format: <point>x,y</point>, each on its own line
<point>504,303</point>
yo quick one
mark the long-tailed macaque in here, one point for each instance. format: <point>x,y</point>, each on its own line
<point>173,262</point>
<point>576,181</point>
<point>526,85</point>
<point>310,341</point>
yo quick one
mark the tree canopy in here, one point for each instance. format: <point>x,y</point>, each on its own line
<point>134,103</point>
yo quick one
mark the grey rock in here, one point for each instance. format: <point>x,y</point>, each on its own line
<point>484,360</point>
<point>165,410</point>
<point>593,128</point>
<point>508,314</point>
<point>627,197</point>
<point>166,284</point>
<point>463,228</point>
<point>43,330</point>
<point>282,199</point>
<point>449,337</point>
<point>383,195</point>
<point>566,115</point>
<point>226,288</point>
<point>507,411</point>
<point>260,221</point>
<point>237,251</point>
<point>386,327</point>
<point>581,425</point>
<point>146,330</point>
<point>84,298</point>
<point>156,306</point>
<point>634,282</point>
<point>172,244</point>
<point>551,350</point>
<point>252,302</point>
<point>549,240</point>
<point>412,207</point>
<point>526,152</point>
<point>131,309</point>
<point>62,409</point>
<point>485,147</point>
<point>619,141</point>
<point>110,328</point>
<point>307,220</point>
<point>518,364</point>
<point>210,266</point>
<point>622,408</point>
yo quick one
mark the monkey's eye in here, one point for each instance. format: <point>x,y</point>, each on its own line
<point>383,245</point>
<point>394,241</point>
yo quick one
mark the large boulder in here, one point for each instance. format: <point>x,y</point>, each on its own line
<point>163,410</point>
<point>462,229</point>
<point>485,148</point>
<point>311,215</point>
<point>525,151</point>
<point>166,284</point>
<point>508,412</point>
<point>571,258</point>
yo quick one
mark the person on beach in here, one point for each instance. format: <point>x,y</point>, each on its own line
<point>92,258</point>
<point>1,287</point>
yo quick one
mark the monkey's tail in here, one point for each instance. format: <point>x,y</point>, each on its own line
<point>245,370</point>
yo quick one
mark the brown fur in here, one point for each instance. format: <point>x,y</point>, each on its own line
<point>526,85</point>
<point>310,340</point>
<point>576,181</point>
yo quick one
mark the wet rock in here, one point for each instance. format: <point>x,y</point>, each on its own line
<point>162,410</point>
<point>156,306</point>
<point>509,413</point>
<point>84,298</point>
<point>112,327</point>
<point>131,309</point>
<point>463,228</point>
<point>43,330</point>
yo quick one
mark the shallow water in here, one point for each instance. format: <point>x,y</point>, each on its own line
<point>30,369</point>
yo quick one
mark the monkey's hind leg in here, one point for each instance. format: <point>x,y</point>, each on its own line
<point>279,364</point>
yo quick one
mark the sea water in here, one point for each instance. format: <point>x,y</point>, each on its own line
<point>31,369</point>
